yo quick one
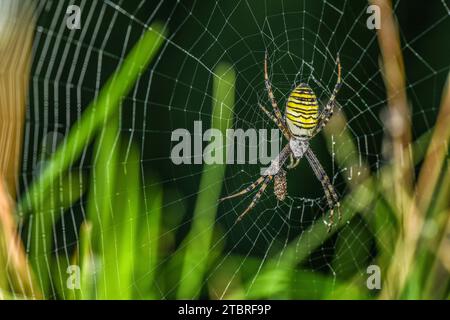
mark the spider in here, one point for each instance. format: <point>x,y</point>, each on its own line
<point>300,123</point>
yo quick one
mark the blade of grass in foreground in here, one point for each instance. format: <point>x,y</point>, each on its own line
<point>119,254</point>
<point>199,239</point>
<point>426,194</point>
<point>103,180</point>
<point>68,285</point>
<point>301,284</point>
<point>87,265</point>
<point>147,248</point>
<point>96,114</point>
<point>66,191</point>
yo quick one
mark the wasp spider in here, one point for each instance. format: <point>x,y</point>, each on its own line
<point>301,122</point>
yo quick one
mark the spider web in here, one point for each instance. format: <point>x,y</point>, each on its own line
<point>302,39</point>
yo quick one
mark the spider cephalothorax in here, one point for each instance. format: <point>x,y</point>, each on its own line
<point>301,122</point>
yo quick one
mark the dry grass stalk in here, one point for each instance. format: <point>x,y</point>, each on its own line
<point>413,222</point>
<point>12,254</point>
<point>399,127</point>
<point>437,150</point>
<point>394,78</point>
<point>16,37</point>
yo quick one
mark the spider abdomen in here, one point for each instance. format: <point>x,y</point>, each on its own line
<point>280,185</point>
<point>302,111</point>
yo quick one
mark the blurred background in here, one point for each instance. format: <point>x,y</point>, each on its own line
<point>92,206</point>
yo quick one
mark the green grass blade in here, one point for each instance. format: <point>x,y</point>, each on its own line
<point>102,197</point>
<point>301,284</point>
<point>66,276</point>
<point>149,243</point>
<point>102,188</point>
<point>66,191</point>
<point>87,264</point>
<point>119,254</point>
<point>199,239</point>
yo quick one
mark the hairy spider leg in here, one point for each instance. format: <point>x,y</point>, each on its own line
<point>256,197</point>
<point>246,190</point>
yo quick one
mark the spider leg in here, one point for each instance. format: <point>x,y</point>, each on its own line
<point>265,179</point>
<point>330,192</point>
<point>246,190</point>
<point>270,92</point>
<point>280,125</point>
<point>327,112</point>
<point>256,197</point>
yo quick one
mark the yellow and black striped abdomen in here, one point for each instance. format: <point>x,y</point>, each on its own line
<point>302,111</point>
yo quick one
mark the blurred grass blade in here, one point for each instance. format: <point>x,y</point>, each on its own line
<point>102,198</point>
<point>300,284</point>
<point>65,193</point>
<point>96,114</point>
<point>87,263</point>
<point>385,229</point>
<point>437,235</point>
<point>437,150</point>
<point>393,71</point>
<point>347,155</point>
<point>119,254</point>
<point>428,189</point>
<point>149,232</point>
<point>199,239</point>
<point>79,270</point>
<point>281,283</point>
<point>103,179</point>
